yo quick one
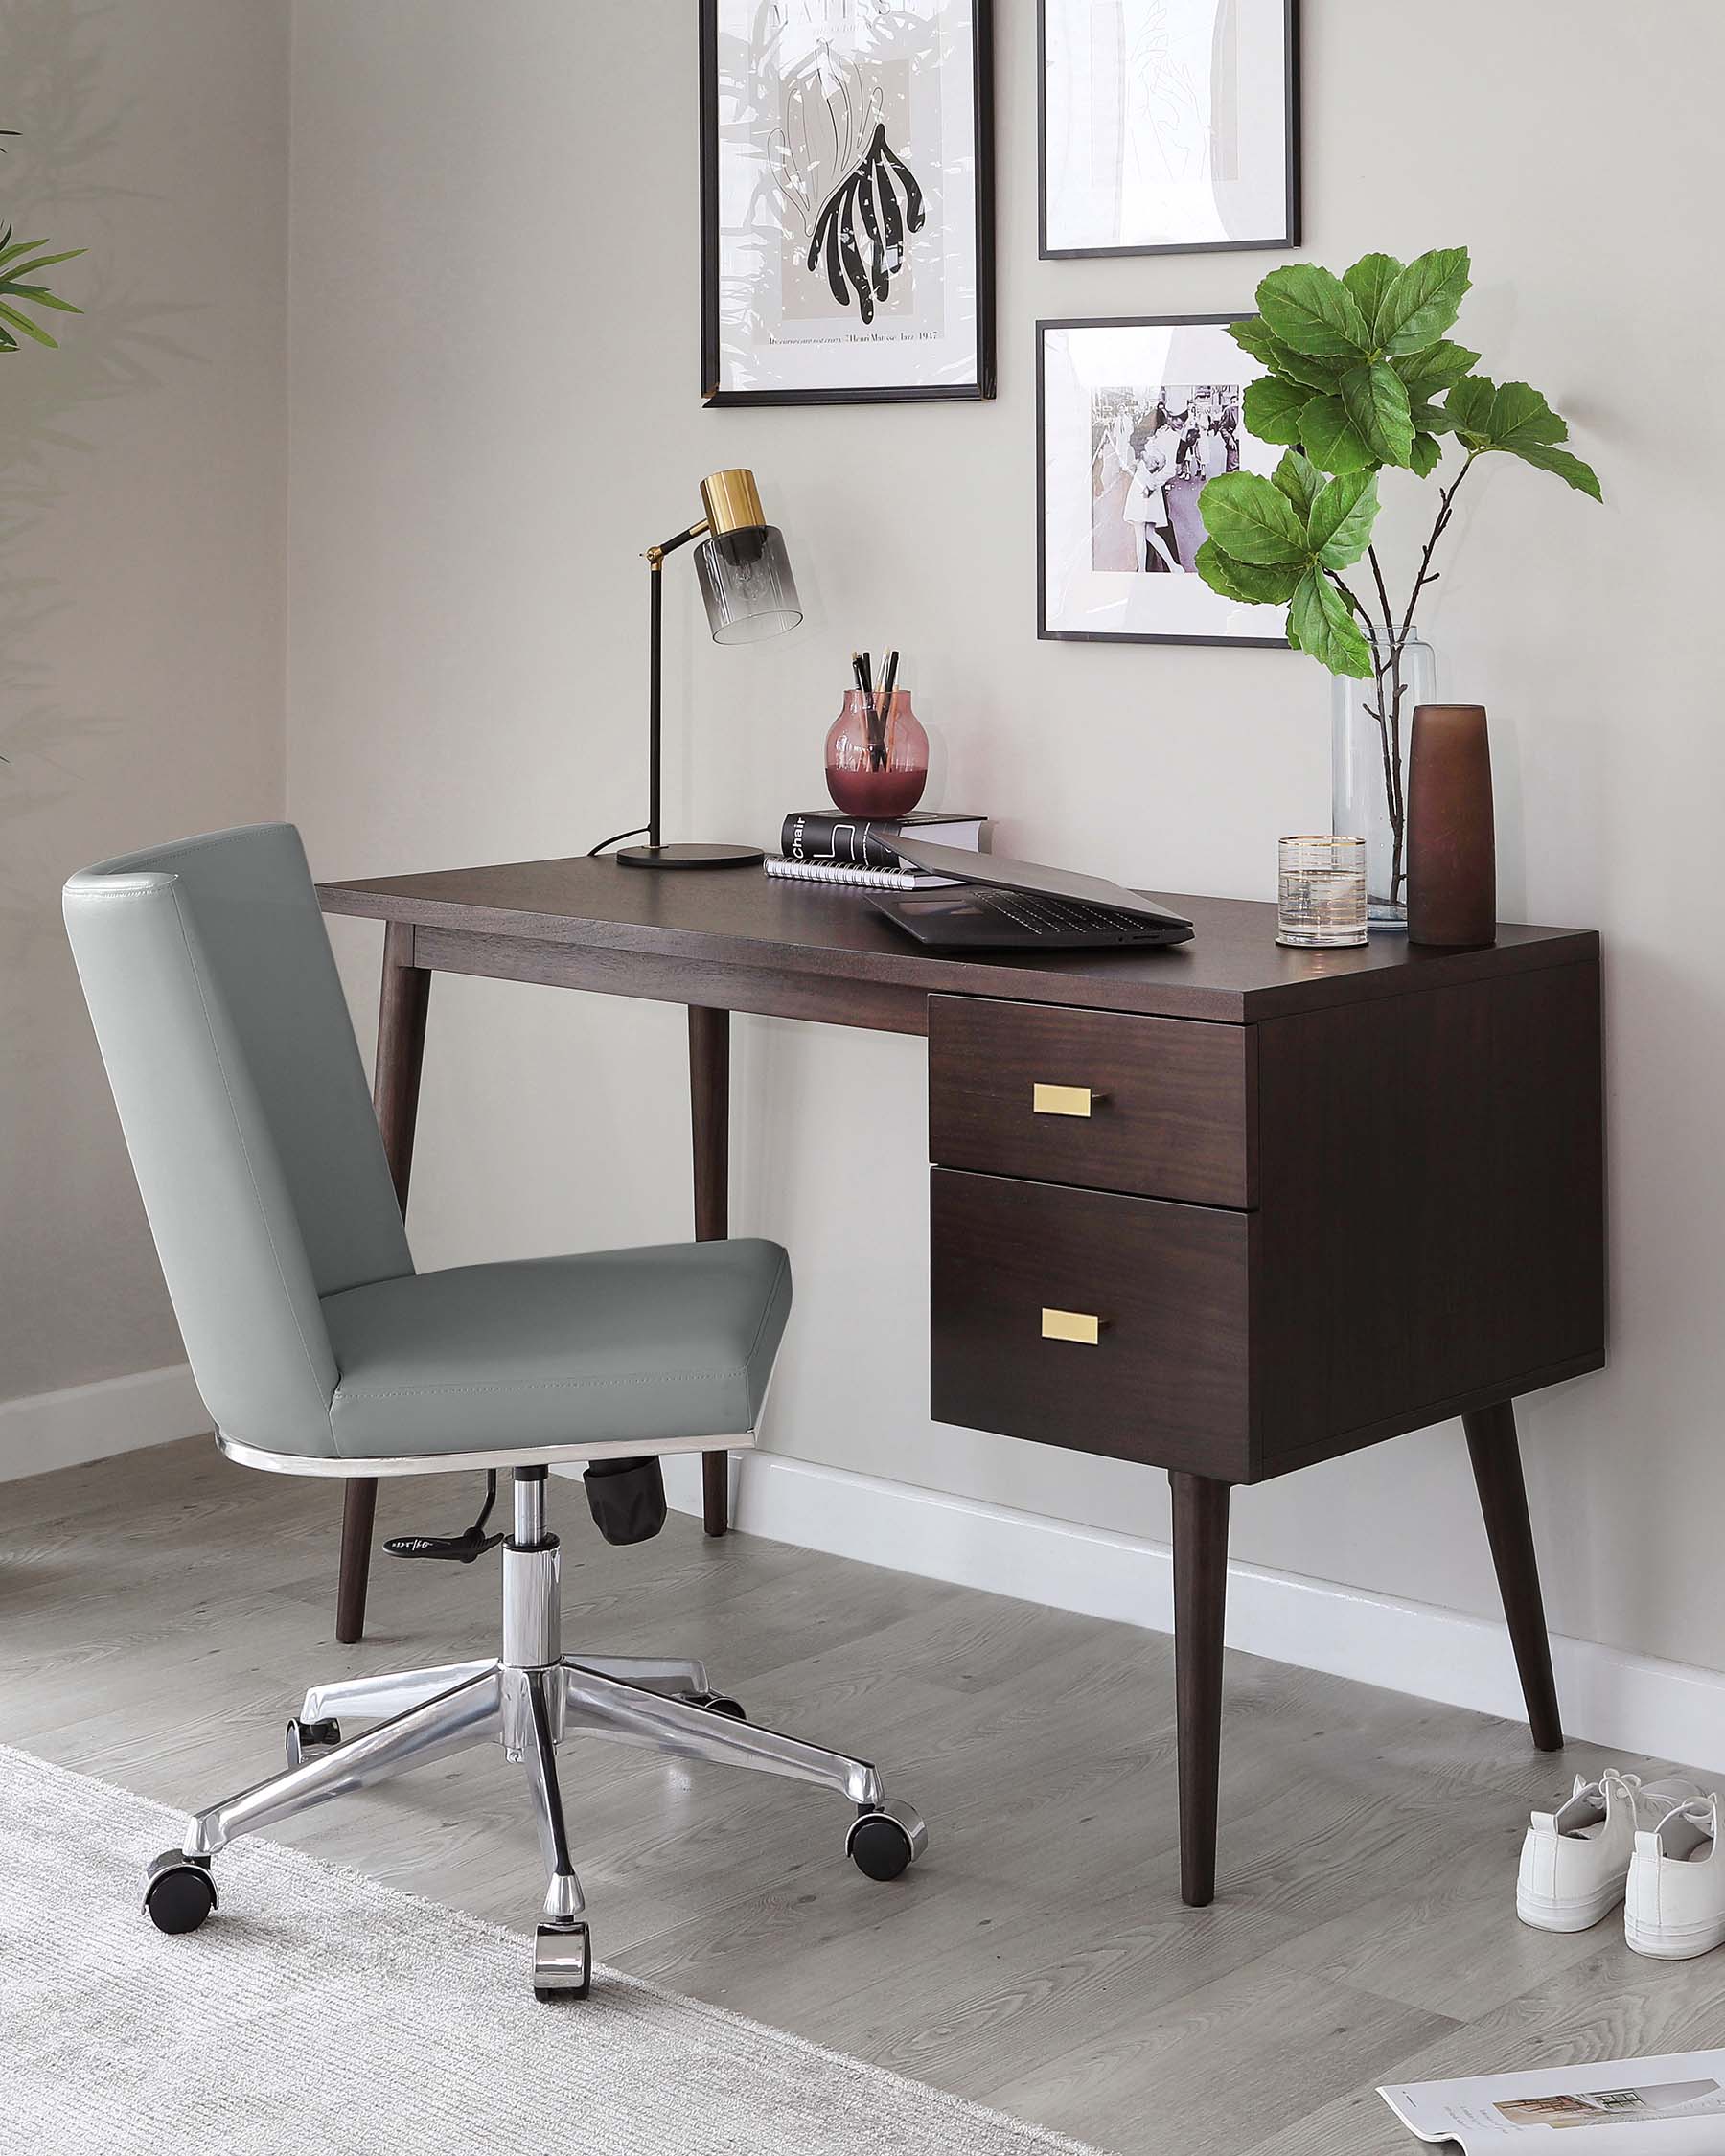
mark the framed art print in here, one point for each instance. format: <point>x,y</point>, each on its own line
<point>1169,126</point>
<point>846,200</point>
<point>1131,418</point>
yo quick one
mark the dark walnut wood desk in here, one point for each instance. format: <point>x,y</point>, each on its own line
<point>1225,1209</point>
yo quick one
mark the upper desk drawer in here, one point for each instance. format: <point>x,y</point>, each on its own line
<point>1160,1108</point>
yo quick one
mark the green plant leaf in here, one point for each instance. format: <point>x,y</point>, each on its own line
<point>39,296</point>
<point>1272,407</point>
<point>1369,280</point>
<point>1377,405</point>
<point>1428,453</point>
<point>1331,439</point>
<point>1254,335</point>
<point>1339,527</point>
<point>1423,300</point>
<point>1299,480</point>
<point>1566,465</point>
<point>17,321</point>
<point>41,262</point>
<point>1253,519</point>
<point>1257,583</point>
<point>1313,311</point>
<point>1520,414</point>
<point>1435,367</point>
<point>1322,623</point>
<point>1468,409</point>
<point>1428,418</point>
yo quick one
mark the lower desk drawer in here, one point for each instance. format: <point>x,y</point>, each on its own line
<point>1018,1269</point>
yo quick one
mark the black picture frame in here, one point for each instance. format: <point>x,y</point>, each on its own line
<point>1290,237</point>
<point>713,396</point>
<point>1044,633</point>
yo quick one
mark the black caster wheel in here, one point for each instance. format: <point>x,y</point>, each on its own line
<point>178,1892</point>
<point>562,1962</point>
<point>718,1703</point>
<point>308,1740</point>
<point>884,1843</point>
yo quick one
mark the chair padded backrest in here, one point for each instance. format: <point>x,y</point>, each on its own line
<point>233,1062</point>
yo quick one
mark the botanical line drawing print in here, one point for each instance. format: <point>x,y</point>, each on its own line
<point>847,195</point>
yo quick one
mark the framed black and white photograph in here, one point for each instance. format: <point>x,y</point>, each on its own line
<point>1169,126</point>
<point>1132,419</point>
<point>847,201</point>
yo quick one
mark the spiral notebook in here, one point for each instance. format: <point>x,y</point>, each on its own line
<point>858,878</point>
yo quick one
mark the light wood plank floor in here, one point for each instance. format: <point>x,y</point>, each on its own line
<point>160,1614</point>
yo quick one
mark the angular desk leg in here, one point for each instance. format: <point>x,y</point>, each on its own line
<point>1199,1596</point>
<point>709,1103</point>
<point>401,1002</point>
<point>1496,1455</point>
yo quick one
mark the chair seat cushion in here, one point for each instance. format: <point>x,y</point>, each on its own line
<point>623,1346</point>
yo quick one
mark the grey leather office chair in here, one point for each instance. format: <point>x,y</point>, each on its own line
<point>319,1350</point>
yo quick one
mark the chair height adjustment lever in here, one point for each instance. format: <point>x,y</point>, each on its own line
<point>459,1549</point>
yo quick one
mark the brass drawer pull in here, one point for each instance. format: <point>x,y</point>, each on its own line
<point>1072,1325</point>
<point>1064,1100</point>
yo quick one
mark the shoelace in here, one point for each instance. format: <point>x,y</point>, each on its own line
<point>1700,1812</point>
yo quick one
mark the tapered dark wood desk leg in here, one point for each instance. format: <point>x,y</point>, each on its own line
<point>395,1094</point>
<point>1496,1455</point>
<point>709,1102</point>
<point>1200,1598</point>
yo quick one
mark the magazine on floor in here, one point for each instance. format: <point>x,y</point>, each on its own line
<point>1668,2106</point>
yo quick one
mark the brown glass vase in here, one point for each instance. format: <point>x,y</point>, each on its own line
<point>1452,846</point>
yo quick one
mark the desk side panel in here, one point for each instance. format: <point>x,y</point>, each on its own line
<point>1432,1177</point>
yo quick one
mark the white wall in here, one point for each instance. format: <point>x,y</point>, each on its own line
<point>143,484</point>
<point>493,390</point>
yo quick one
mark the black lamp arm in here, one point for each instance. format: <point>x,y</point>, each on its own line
<point>655,556</point>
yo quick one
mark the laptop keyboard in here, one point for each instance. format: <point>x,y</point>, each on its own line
<point>1057,916</point>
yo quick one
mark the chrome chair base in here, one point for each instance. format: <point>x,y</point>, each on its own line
<point>529,1700</point>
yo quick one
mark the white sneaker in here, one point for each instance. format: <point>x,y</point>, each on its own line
<point>1575,1861</point>
<point>1675,1904</point>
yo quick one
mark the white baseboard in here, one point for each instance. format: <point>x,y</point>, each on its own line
<point>85,1422</point>
<point>1630,1703</point>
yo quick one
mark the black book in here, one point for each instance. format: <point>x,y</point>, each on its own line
<point>829,835</point>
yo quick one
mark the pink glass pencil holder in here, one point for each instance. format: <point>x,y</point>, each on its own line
<point>878,768</point>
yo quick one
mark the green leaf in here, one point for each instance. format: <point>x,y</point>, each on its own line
<point>1253,519</point>
<point>1254,335</point>
<point>1299,480</point>
<point>1331,439</point>
<point>1515,417</point>
<point>41,262</point>
<point>1322,623</point>
<point>1377,405</point>
<point>1312,310</point>
<point>1520,414</point>
<point>1468,409</point>
<point>1339,527</point>
<point>1369,280</point>
<point>1435,368</point>
<point>1423,300</point>
<point>1582,477</point>
<point>1428,452</point>
<point>1256,584</point>
<point>1273,407</point>
<point>1427,418</point>
<point>38,297</point>
<point>17,321</point>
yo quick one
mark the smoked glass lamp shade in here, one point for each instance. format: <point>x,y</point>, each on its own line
<point>746,580</point>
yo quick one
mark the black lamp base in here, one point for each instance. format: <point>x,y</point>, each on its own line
<point>695,854</point>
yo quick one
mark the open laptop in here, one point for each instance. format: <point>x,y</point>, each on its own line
<point>1000,904</point>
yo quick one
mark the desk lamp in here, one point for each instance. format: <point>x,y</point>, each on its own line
<point>746,580</point>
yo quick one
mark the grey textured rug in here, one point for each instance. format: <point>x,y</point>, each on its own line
<point>321,2011</point>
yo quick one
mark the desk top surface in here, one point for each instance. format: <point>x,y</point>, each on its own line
<point>1233,971</point>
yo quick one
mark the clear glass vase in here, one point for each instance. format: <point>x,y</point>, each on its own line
<point>1372,727</point>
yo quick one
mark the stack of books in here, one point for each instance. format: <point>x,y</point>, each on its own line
<point>826,846</point>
